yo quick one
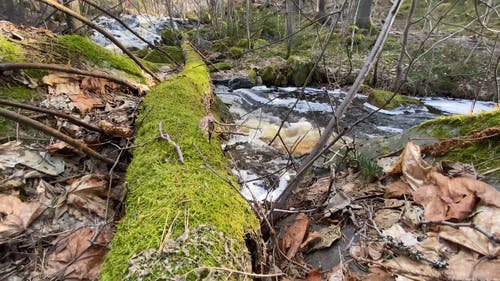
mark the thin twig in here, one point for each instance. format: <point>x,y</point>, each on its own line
<point>166,137</point>
<point>53,113</point>
<point>249,274</point>
<point>489,235</point>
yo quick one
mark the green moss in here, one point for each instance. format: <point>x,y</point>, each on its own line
<point>298,70</point>
<point>19,94</point>
<point>242,43</point>
<point>170,37</point>
<point>9,51</point>
<point>218,66</point>
<point>100,55</point>
<point>160,57</point>
<point>458,125</point>
<point>252,75</point>
<point>269,75</point>
<point>159,186</point>
<point>483,155</point>
<point>235,52</point>
<point>36,73</point>
<point>380,97</point>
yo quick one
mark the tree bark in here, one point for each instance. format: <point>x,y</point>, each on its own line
<point>290,13</point>
<point>321,15</point>
<point>363,17</point>
<point>404,48</point>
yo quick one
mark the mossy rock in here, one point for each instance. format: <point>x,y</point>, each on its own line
<point>218,66</point>
<point>9,51</point>
<point>298,70</point>
<point>80,47</point>
<point>161,189</point>
<point>235,52</point>
<point>269,74</point>
<point>170,37</point>
<point>252,75</point>
<point>379,97</point>
<point>157,56</point>
<point>242,43</point>
<point>259,43</point>
<point>484,154</point>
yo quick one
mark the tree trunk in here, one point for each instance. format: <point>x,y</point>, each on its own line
<point>290,13</point>
<point>321,15</point>
<point>73,23</point>
<point>363,17</point>
<point>404,49</point>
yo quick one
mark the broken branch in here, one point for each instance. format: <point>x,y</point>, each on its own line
<point>55,133</point>
<point>72,70</point>
<point>53,113</point>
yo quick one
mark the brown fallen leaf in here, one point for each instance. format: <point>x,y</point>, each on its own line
<point>467,266</point>
<point>414,270</point>
<point>378,274</point>
<point>75,258</point>
<point>444,198</point>
<point>397,189</point>
<point>97,85</point>
<point>61,147</point>
<point>412,166</point>
<point>294,235</point>
<point>313,275</point>
<point>488,219</point>
<point>84,103</point>
<point>112,129</point>
<point>16,215</point>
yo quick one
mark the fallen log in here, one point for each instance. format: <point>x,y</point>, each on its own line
<point>182,221</point>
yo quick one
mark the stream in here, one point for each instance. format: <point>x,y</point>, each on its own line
<point>262,169</point>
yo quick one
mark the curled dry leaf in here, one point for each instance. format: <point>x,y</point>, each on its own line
<point>16,216</point>
<point>294,235</point>
<point>412,166</point>
<point>112,129</point>
<point>75,258</point>
<point>414,270</point>
<point>444,198</point>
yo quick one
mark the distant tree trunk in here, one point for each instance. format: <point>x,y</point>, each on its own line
<point>363,17</point>
<point>73,24</point>
<point>321,15</point>
<point>247,21</point>
<point>404,49</point>
<point>12,10</point>
<point>290,9</point>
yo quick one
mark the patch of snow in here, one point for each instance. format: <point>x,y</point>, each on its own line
<point>458,106</point>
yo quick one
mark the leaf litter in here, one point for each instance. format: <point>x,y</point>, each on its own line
<point>420,222</point>
<point>58,207</point>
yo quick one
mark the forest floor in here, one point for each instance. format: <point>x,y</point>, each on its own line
<point>414,221</point>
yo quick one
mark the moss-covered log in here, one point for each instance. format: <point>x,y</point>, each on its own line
<point>209,218</point>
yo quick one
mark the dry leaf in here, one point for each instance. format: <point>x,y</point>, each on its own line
<point>89,258</point>
<point>13,153</point>
<point>407,267</point>
<point>444,198</point>
<point>313,275</point>
<point>488,219</point>
<point>327,236</point>
<point>83,102</point>
<point>112,129</point>
<point>16,216</point>
<point>465,266</point>
<point>399,234</point>
<point>375,250</point>
<point>207,125</point>
<point>63,148</point>
<point>386,218</point>
<point>378,274</point>
<point>97,85</point>
<point>294,235</point>
<point>412,166</point>
<point>397,189</point>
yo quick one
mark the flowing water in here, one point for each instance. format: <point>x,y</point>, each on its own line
<point>264,169</point>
